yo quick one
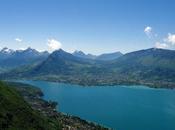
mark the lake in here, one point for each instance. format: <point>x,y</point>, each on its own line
<point>118,107</point>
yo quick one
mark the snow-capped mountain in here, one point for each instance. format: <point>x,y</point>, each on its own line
<point>13,58</point>
<point>6,50</point>
<point>6,53</point>
<point>103,57</point>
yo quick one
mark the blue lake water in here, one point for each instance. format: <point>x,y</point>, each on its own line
<point>118,107</point>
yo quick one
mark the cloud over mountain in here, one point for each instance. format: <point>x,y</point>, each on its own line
<point>171,38</point>
<point>161,45</point>
<point>53,44</point>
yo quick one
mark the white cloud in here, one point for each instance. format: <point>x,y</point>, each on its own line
<point>166,43</point>
<point>22,48</point>
<point>148,31</point>
<point>161,45</point>
<point>53,44</point>
<point>170,38</point>
<point>18,39</point>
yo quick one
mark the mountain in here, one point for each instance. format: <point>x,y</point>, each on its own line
<point>59,66</point>
<point>5,53</point>
<point>11,59</point>
<point>61,63</point>
<point>109,56</point>
<point>83,55</point>
<point>152,57</point>
<point>152,67</point>
<point>17,114</point>
<point>6,50</point>
<point>102,57</point>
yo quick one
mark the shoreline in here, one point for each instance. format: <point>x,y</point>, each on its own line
<point>147,85</point>
<point>34,96</point>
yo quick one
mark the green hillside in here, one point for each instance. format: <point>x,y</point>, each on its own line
<point>154,67</point>
<point>16,114</point>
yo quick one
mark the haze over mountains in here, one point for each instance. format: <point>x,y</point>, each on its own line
<point>10,58</point>
<point>153,67</point>
<point>13,58</point>
<point>104,57</point>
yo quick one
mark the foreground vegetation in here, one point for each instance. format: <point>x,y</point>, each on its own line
<point>17,114</point>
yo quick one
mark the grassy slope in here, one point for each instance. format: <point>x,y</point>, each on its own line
<point>16,114</point>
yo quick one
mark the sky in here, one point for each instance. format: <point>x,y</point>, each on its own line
<point>93,26</point>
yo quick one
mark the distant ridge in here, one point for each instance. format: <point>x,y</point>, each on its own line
<point>103,57</point>
<point>13,58</point>
<point>83,55</point>
<point>109,56</point>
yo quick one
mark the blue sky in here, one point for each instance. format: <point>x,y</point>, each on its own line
<point>93,26</point>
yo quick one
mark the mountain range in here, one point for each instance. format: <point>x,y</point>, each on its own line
<point>10,59</point>
<point>153,67</point>
<point>104,57</point>
<point>13,58</point>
